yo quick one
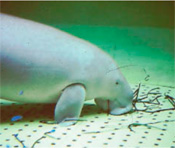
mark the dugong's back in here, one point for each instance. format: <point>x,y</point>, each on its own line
<point>38,61</point>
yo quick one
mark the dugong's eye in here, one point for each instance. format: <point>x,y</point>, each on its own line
<point>116,83</point>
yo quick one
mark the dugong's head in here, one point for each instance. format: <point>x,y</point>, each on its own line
<point>116,95</point>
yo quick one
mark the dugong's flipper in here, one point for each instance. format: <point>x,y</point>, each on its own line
<point>70,103</point>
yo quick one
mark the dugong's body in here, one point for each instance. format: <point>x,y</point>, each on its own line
<point>41,64</point>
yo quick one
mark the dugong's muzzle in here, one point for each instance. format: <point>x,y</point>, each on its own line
<point>117,106</point>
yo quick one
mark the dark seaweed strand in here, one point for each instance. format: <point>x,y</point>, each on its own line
<point>21,142</point>
<point>151,102</point>
<point>146,124</point>
<point>46,134</point>
<point>150,92</point>
<point>147,78</point>
<point>137,90</point>
<point>170,99</point>
<point>161,110</point>
<point>172,102</point>
<point>147,75</point>
<point>37,141</point>
<point>164,86</point>
<point>156,98</point>
<point>139,100</point>
<point>136,94</point>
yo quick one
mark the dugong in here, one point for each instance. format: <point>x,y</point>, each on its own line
<point>42,64</point>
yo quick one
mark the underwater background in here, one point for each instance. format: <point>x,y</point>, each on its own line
<point>140,37</point>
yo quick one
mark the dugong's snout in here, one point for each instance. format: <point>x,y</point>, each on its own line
<point>123,104</point>
<point>118,106</point>
<point>117,109</point>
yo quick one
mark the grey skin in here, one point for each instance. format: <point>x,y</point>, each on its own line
<point>41,64</point>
